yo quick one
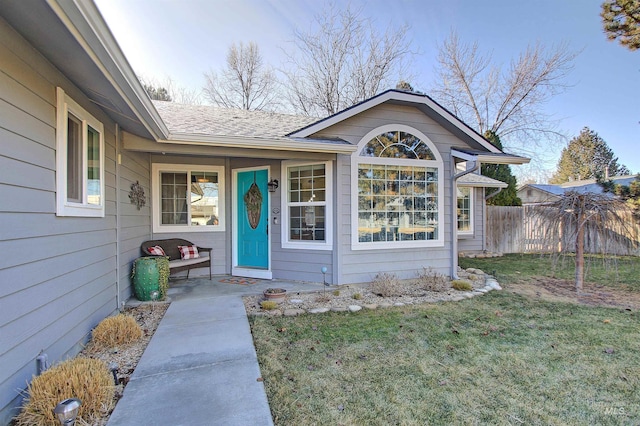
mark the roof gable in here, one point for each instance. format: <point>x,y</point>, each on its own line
<point>422,102</point>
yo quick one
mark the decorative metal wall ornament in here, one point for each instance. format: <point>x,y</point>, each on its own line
<point>136,195</point>
<point>253,203</point>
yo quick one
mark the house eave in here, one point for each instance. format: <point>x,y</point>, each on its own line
<point>86,25</point>
<point>490,158</point>
<point>277,144</point>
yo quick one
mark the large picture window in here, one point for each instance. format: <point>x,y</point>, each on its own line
<point>187,198</point>
<point>307,205</point>
<point>398,200</point>
<point>79,160</point>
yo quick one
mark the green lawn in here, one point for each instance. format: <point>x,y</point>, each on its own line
<point>496,359</point>
<point>618,271</point>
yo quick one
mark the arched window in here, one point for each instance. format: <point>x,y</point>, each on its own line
<point>398,200</point>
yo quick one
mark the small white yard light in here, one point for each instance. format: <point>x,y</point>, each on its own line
<point>324,275</point>
<point>67,411</point>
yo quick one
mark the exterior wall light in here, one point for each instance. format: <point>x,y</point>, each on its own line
<point>67,411</point>
<point>273,185</point>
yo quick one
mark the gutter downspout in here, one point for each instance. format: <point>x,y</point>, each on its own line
<point>118,218</point>
<point>454,222</point>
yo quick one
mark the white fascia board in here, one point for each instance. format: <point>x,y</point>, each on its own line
<point>259,143</point>
<point>491,159</point>
<point>101,40</point>
<point>496,184</point>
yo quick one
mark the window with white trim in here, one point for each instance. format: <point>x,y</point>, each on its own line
<point>79,160</point>
<point>465,210</point>
<point>306,205</point>
<point>187,198</point>
<point>397,199</point>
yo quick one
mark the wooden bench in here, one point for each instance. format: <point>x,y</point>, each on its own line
<point>176,263</point>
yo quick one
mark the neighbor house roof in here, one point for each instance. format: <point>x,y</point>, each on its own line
<point>580,186</point>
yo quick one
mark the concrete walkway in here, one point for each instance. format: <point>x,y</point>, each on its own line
<point>200,367</point>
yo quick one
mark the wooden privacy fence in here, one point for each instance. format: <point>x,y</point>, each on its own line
<point>519,230</point>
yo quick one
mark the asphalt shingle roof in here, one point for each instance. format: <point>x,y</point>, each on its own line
<point>218,121</point>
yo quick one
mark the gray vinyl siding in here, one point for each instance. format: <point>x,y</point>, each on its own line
<point>355,266</point>
<point>475,242</point>
<point>57,274</point>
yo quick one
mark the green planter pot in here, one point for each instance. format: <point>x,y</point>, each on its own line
<point>148,276</point>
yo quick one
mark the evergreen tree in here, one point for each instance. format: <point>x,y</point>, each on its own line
<point>587,156</point>
<point>156,93</point>
<point>621,20</point>
<point>502,172</point>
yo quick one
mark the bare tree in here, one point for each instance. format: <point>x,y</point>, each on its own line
<point>507,102</point>
<point>574,212</point>
<point>347,59</point>
<point>245,83</point>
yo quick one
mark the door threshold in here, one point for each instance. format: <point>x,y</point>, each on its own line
<point>251,273</point>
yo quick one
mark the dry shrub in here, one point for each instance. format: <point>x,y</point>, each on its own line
<point>431,280</point>
<point>268,305</point>
<point>116,330</point>
<point>461,285</point>
<point>386,285</point>
<point>84,378</point>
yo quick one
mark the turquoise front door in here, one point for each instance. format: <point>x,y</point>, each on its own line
<point>252,217</point>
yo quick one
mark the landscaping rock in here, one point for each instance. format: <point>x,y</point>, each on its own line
<point>296,301</point>
<point>493,284</point>
<point>370,306</point>
<point>398,304</point>
<point>293,312</point>
<point>385,305</point>
<point>354,308</point>
<point>318,310</point>
<point>339,309</point>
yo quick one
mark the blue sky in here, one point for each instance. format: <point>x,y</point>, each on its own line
<point>182,39</point>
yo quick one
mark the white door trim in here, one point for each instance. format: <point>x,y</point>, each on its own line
<point>235,269</point>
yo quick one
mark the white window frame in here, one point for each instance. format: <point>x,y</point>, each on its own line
<point>327,244</point>
<point>156,183</point>
<point>64,207</point>
<point>471,209</point>
<point>356,159</point>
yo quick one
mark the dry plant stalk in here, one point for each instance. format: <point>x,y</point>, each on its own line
<point>116,330</point>
<point>85,378</point>
<point>386,285</point>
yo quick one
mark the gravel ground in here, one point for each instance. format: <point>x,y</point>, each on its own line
<point>148,316</point>
<point>408,292</point>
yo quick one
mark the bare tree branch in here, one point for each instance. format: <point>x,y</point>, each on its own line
<point>245,83</point>
<point>346,60</point>
<point>508,102</point>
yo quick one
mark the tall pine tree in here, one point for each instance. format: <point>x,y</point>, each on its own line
<point>587,156</point>
<point>501,172</point>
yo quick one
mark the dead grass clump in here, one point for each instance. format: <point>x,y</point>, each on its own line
<point>386,285</point>
<point>431,280</point>
<point>85,378</point>
<point>461,285</point>
<point>116,330</point>
<point>268,305</point>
